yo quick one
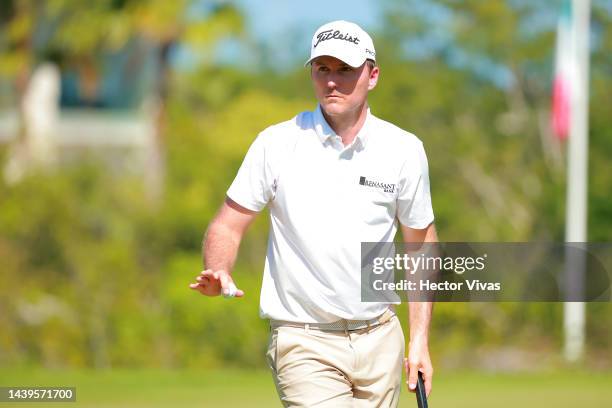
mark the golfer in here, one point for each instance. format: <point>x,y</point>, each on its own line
<point>332,178</point>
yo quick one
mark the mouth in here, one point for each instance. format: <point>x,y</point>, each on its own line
<point>332,96</point>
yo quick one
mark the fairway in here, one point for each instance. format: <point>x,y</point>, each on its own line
<point>235,388</point>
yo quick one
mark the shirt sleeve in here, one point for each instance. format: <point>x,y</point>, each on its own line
<point>414,209</point>
<point>252,187</point>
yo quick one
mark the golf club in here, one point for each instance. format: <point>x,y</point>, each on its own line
<point>421,395</point>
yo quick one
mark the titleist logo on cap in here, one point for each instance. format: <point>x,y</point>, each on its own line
<point>335,35</point>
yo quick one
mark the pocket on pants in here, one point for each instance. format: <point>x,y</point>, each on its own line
<point>274,347</point>
<point>272,353</point>
<point>401,334</point>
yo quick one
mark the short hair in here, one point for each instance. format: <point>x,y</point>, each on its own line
<point>371,64</point>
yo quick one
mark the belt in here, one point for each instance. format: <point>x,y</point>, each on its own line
<point>339,325</point>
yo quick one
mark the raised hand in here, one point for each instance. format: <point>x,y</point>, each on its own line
<point>216,283</point>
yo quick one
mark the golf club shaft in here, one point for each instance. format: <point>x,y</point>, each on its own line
<point>420,392</point>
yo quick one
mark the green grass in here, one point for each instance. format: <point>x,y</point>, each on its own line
<point>231,388</point>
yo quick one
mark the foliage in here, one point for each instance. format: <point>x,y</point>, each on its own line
<point>93,275</point>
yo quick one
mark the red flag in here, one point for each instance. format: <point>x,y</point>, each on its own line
<point>564,74</point>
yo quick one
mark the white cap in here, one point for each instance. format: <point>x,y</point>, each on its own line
<point>343,40</point>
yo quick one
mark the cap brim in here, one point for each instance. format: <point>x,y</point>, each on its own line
<point>352,60</point>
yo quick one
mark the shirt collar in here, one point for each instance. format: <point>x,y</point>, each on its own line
<point>324,131</point>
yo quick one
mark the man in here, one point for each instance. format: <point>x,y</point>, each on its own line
<point>332,178</point>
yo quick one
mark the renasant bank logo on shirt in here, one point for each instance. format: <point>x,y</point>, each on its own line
<point>387,187</point>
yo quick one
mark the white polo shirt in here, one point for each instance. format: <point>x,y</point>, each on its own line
<point>325,199</point>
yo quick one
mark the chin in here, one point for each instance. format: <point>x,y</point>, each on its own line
<point>332,108</point>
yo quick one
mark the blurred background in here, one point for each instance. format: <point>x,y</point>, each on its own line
<point>123,122</point>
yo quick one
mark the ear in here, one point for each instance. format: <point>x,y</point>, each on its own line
<point>373,80</point>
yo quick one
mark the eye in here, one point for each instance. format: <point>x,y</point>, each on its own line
<point>346,68</point>
<point>322,68</point>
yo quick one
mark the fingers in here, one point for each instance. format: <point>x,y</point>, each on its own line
<point>427,379</point>
<point>411,368</point>
<point>412,372</point>
<point>198,287</point>
<point>205,284</point>
<point>228,288</point>
<point>225,284</point>
<point>216,283</point>
<point>205,280</point>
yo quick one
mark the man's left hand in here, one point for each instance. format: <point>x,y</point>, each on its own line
<point>418,360</point>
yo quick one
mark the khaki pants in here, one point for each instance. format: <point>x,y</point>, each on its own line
<point>322,368</point>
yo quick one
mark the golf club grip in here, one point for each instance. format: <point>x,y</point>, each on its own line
<point>420,392</point>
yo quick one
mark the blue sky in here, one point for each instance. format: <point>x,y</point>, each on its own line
<point>278,32</point>
<point>285,28</point>
<point>272,17</point>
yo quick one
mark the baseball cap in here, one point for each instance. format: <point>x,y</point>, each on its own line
<point>343,40</point>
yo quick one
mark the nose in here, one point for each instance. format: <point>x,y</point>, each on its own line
<point>332,80</point>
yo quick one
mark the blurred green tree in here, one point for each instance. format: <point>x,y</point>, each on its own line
<point>95,276</point>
